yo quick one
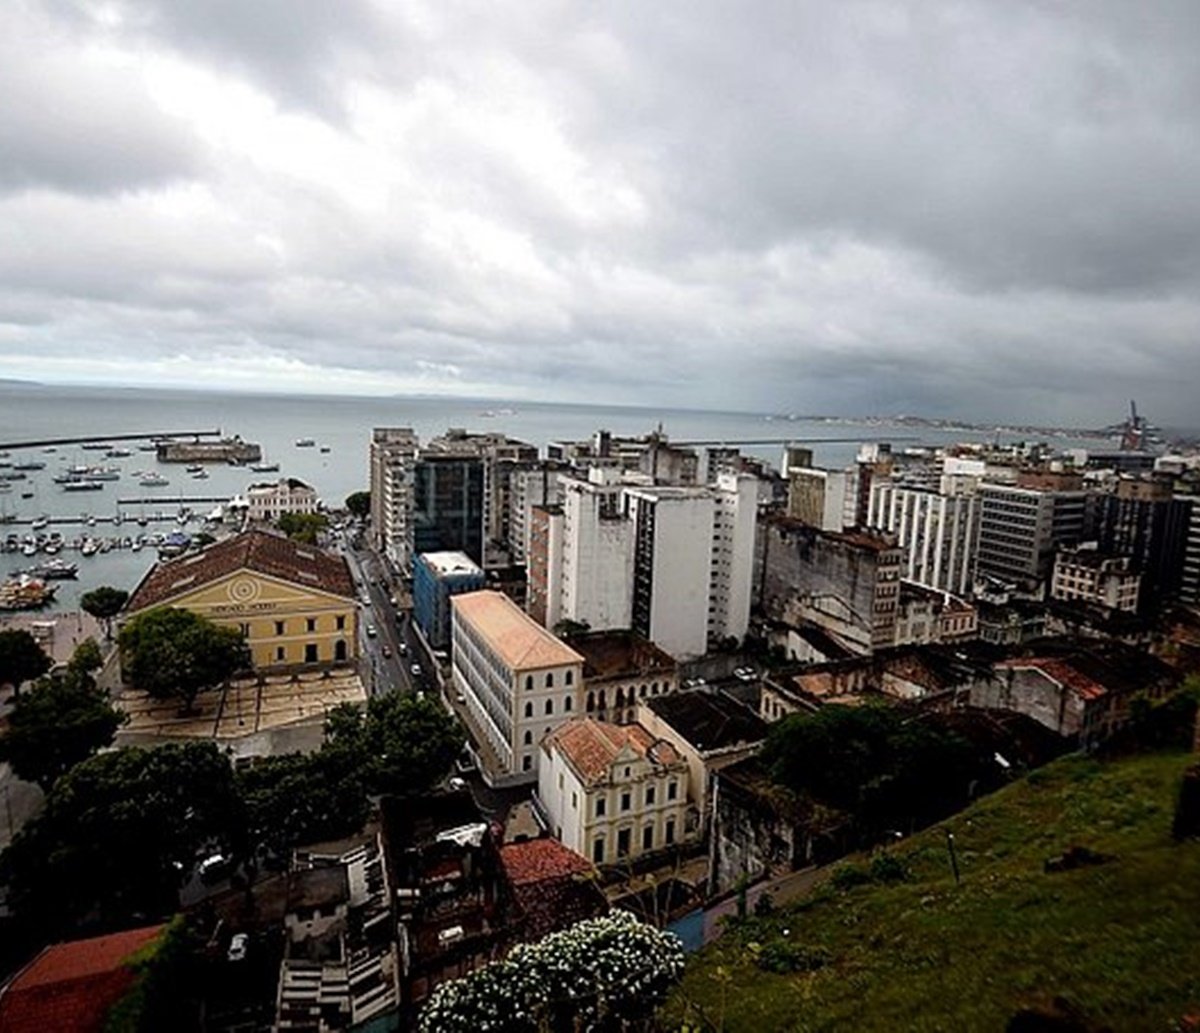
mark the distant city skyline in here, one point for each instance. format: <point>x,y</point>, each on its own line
<point>982,211</point>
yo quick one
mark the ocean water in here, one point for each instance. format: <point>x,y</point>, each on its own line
<point>343,424</point>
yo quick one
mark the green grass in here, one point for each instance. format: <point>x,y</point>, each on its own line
<point>1120,941</point>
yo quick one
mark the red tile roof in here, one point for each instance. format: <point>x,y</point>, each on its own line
<point>259,551</point>
<point>1062,672</point>
<point>538,860</point>
<point>591,746</point>
<point>72,986</point>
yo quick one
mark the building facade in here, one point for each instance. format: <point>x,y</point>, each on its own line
<point>393,458</point>
<point>266,502</point>
<point>1021,527</point>
<point>436,577</point>
<point>937,530</point>
<point>1085,574</point>
<point>1143,520</point>
<point>612,793</point>
<point>517,680</point>
<point>294,604</point>
<point>448,504</point>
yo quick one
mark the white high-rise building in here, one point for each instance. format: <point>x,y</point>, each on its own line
<point>938,531</point>
<point>393,459</point>
<point>673,563</point>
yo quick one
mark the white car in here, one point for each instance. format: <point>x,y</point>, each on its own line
<point>237,947</point>
<point>371,632</point>
<point>416,668</point>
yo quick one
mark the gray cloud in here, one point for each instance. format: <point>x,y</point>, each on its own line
<point>975,208</point>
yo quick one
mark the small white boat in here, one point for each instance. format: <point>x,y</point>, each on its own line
<point>153,480</point>
<point>305,442</point>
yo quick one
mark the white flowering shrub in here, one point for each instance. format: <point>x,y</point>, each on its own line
<point>603,974</point>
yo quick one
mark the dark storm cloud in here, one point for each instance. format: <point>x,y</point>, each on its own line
<point>978,208</point>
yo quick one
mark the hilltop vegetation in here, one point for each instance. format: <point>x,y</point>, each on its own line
<point>894,943</point>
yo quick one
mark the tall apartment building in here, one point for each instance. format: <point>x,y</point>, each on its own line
<point>448,504</point>
<point>519,681</point>
<point>937,530</point>
<point>1022,526</point>
<point>1189,588</point>
<point>672,563</point>
<point>1144,521</point>
<point>393,458</point>
<point>528,487</point>
<point>825,499</point>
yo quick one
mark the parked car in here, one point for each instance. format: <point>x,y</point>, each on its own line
<point>416,669</point>
<point>212,867</point>
<point>387,652</point>
<point>238,946</point>
<point>745,674</point>
<point>371,632</point>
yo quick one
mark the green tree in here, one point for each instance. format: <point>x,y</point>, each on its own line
<point>301,798</point>
<point>405,744</point>
<point>119,835</point>
<point>104,603</point>
<point>174,652</point>
<point>359,504</point>
<point>61,721</point>
<point>87,658</point>
<point>303,527</point>
<point>21,659</point>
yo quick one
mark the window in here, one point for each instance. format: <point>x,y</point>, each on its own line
<point>600,806</point>
<point>574,800</point>
<point>627,772</point>
<point>560,780</point>
<point>567,705</point>
<point>649,796</point>
<point>526,762</point>
<point>529,683</point>
<point>549,706</point>
<point>279,625</point>
<point>341,624</point>
<point>529,709</point>
<point>529,742</point>
<point>569,677</point>
<point>648,837</point>
<point>598,850</point>
<point>669,832</point>
<point>672,790</point>
<point>623,843</point>
<point>626,800</point>
<point>549,679</point>
<point>245,630</point>
<point>310,652</point>
<point>310,624</point>
<point>280,653</point>
<point>339,649</point>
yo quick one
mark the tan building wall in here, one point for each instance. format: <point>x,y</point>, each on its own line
<point>285,624</point>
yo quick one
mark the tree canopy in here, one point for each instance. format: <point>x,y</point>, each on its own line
<point>359,504</point>
<point>301,798</point>
<point>885,766</point>
<point>61,721</point>
<point>303,527</point>
<point>406,744</point>
<point>104,603</point>
<point>173,652</point>
<point>119,834</point>
<point>21,658</point>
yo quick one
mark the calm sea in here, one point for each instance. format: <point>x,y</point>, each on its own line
<point>341,424</point>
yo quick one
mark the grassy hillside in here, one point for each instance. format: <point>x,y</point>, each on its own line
<point>1120,941</point>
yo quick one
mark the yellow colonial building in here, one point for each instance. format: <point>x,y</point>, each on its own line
<point>294,603</point>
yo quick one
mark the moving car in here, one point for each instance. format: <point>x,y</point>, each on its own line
<point>371,632</point>
<point>416,669</point>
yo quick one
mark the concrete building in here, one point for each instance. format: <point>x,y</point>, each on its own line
<point>529,487</point>
<point>620,668</point>
<point>268,502</point>
<point>926,616</point>
<point>294,604</point>
<point>1143,520</point>
<point>709,730</point>
<point>825,499</point>
<point>393,459</point>
<point>1189,588</point>
<point>545,565</point>
<point>845,583</point>
<point>519,681</point>
<point>436,577</point>
<point>938,531</point>
<point>596,564</point>
<point>612,793</point>
<point>1022,526</point>
<point>1083,573</point>
<point>448,504</point>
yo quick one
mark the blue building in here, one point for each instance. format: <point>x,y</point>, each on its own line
<point>436,577</point>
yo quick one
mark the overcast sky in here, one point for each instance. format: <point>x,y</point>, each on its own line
<point>959,209</point>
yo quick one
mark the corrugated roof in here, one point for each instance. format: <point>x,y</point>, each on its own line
<point>517,638</point>
<point>256,550</point>
<point>591,746</point>
<point>72,986</point>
